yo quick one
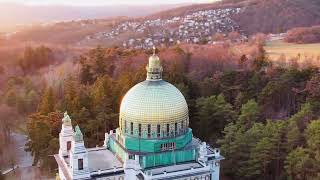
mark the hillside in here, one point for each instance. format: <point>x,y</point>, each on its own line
<point>193,24</point>
<point>275,16</point>
<point>268,16</point>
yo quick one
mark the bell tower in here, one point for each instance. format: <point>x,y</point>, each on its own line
<point>65,136</point>
<point>79,157</point>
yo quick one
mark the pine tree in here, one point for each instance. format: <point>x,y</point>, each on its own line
<point>71,96</point>
<point>39,136</point>
<point>297,163</point>
<point>213,113</point>
<point>47,103</point>
<point>249,114</point>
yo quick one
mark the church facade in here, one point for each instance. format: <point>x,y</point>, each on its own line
<point>153,140</point>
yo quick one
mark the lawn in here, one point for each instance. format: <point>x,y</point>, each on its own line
<point>277,48</point>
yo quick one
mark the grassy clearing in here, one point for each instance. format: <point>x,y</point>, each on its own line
<point>275,49</point>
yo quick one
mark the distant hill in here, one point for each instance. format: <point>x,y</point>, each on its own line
<point>267,16</point>
<point>189,23</point>
<point>12,15</point>
<point>275,16</point>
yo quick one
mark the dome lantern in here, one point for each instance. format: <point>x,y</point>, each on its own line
<point>154,68</point>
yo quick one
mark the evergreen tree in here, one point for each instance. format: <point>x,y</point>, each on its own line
<point>213,113</point>
<point>294,136</point>
<point>47,103</point>
<point>102,63</point>
<point>39,137</point>
<point>71,96</point>
<point>297,164</point>
<point>313,136</point>
<point>249,114</point>
<point>260,159</point>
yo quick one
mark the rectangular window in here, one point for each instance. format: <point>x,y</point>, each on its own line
<point>80,164</point>
<point>158,130</point>
<point>149,130</point>
<point>131,128</point>
<point>168,146</point>
<point>176,128</point>
<point>139,129</point>
<point>131,156</point>
<point>168,129</point>
<point>68,145</point>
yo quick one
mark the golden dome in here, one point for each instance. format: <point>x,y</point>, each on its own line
<point>153,102</point>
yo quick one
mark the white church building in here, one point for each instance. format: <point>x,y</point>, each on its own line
<point>153,140</point>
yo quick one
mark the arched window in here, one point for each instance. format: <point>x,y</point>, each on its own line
<point>182,125</point>
<point>149,130</point>
<point>158,130</point>
<point>175,128</point>
<point>68,145</point>
<point>125,127</point>
<point>139,130</point>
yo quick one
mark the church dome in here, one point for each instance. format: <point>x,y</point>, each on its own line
<point>153,104</point>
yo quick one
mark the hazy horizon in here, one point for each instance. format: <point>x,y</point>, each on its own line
<point>100,2</point>
<point>14,14</point>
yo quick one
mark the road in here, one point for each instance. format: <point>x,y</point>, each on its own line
<point>23,161</point>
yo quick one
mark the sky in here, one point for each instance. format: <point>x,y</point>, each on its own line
<point>101,2</point>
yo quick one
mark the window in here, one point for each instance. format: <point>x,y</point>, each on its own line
<point>149,130</point>
<point>80,164</point>
<point>131,128</point>
<point>68,145</point>
<point>131,156</point>
<point>207,177</point>
<point>168,146</point>
<point>182,126</point>
<point>139,129</point>
<point>125,127</point>
<point>176,128</point>
<point>168,129</point>
<point>158,130</point>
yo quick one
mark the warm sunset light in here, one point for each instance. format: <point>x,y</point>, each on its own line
<point>101,2</point>
<point>159,89</point>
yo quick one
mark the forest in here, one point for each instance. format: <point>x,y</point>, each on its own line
<point>265,118</point>
<point>303,35</point>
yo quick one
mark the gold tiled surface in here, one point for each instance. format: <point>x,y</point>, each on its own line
<point>153,102</point>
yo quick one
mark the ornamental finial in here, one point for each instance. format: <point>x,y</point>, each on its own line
<point>154,50</point>
<point>66,119</point>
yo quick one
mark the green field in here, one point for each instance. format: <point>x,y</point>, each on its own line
<point>275,49</point>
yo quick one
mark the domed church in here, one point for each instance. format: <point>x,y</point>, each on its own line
<point>153,140</point>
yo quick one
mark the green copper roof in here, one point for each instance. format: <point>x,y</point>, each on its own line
<point>78,137</point>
